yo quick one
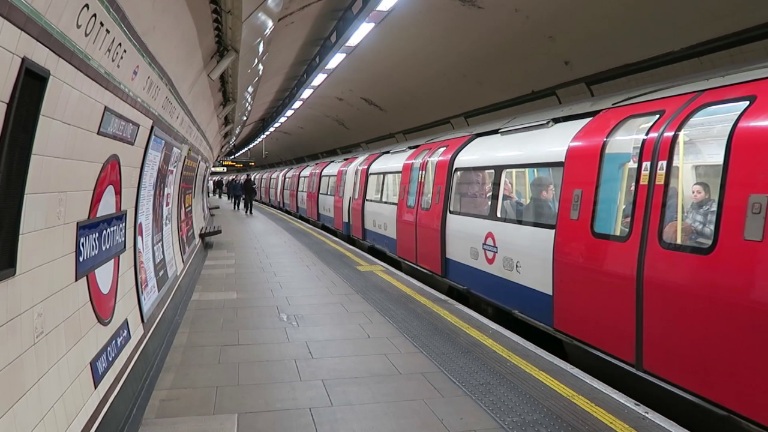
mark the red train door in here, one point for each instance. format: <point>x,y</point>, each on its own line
<point>358,197</point>
<point>433,193</point>
<point>606,157</point>
<point>705,302</point>
<point>314,189</point>
<point>338,200</point>
<point>407,207</point>
<point>421,204</point>
<point>293,199</point>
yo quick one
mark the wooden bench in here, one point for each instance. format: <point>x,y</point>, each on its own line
<point>209,231</point>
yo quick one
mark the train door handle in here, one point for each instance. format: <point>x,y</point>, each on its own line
<point>754,226</point>
<point>576,204</point>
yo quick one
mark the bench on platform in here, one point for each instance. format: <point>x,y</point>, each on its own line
<point>214,207</point>
<point>209,231</point>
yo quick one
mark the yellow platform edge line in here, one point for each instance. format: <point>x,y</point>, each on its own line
<point>542,376</point>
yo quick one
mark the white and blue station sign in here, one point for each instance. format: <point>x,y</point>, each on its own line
<point>99,240</point>
<point>108,354</point>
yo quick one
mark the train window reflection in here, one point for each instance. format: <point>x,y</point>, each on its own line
<point>614,206</point>
<point>472,191</point>
<point>413,181</point>
<point>391,188</point>
<point>324,185</point>
<point>429,179</point>
<point>694,186</point>
<point>357,182</point>
<point>375,183</point>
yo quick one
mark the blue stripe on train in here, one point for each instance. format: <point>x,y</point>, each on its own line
<point>529,302</point>
<point>346,228</point>
<point>303,211</point>
<point>327,220</point>
<point>385,242</point>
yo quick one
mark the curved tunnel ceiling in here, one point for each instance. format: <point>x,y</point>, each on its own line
<point>433,59</point>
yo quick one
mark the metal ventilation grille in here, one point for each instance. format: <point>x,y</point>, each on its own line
<point>18,136</point>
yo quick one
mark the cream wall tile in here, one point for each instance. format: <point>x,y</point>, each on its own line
<point>42,5</point>
<point>61,415</point>
<point>9,36</point>
<point>50,420</point>
<point>43,211</point>
<point>52,61</point>
<point>13,345</point>
<point>52,94</point>
<point>4,287</point>
<point>43,246</point>
<point>5,90</point>
<point>40,54</point>
<point>6,59</point>
<point>7,423</point>
<point>78,205</point>
<point>26,46</point>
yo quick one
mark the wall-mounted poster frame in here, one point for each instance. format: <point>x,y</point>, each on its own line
<point>155,260</point>
<point>187,234</point>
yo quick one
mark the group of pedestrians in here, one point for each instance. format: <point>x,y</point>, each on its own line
<point>237,189</point>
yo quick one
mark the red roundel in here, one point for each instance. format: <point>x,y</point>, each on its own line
<point>489,248</point>
<point>107,199</point>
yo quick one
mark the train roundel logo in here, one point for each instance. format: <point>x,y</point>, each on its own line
<point>135,73</point>
<point>106,200</point>
<point>490,249</point>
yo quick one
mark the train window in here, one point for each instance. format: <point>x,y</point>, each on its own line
<point>618,177</point>
<point>429,179</point>
<point>375,183</point>
<point>324,185</point>
<point>391,188</point>
<point>695,182</point>
<point>343,181</point>
<point>528,195</point>
<point>356,187</point>
<point>413,181</point>
<point>302,184</point>
<point>472,192</point>
<point>332,185</point>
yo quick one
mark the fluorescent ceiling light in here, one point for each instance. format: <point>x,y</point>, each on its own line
<point>297,104</point>
<point>385,5</point>
<point>289,112</point>
<point>306,93</point>
<point>360,33</point>
<point>335,60</point>
<point>319,79</point>
<point>283,119</point>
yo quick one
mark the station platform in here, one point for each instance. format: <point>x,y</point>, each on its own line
<point>290,329</point>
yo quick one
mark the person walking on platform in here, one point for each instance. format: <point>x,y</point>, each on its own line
<point>237,192</point>
<point>219,185</point>
<point>249,191</point>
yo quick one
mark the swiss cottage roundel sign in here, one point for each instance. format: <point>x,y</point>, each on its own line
<point>101,239</point>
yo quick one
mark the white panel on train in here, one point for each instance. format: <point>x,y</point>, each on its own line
<point>301,197</point>
<point>535,146</point>
<point>325,201</point>
<point>509,263</point>
<point>392,162</point>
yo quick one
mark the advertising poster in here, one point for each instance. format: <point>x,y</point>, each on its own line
<point>154,244</point>
<point>186,192</point>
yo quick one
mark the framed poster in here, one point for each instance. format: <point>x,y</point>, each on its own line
<point>156,265</point>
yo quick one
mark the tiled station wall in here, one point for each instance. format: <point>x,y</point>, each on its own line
<point>48,330</point>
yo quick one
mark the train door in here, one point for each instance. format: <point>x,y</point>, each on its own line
<point>421,204</point>
<point>406,207</point>
<point>313,191</point>
<point>280,187</point>
<point>358,198</point>
<point>603,231</point>
<point>704,298</point>
<point>338,200</point>
<point>433,193</point>
<point>294,191</point>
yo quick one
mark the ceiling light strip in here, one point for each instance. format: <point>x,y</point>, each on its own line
<point>343,48</point>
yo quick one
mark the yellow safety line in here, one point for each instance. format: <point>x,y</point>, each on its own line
<point>542,376</point>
